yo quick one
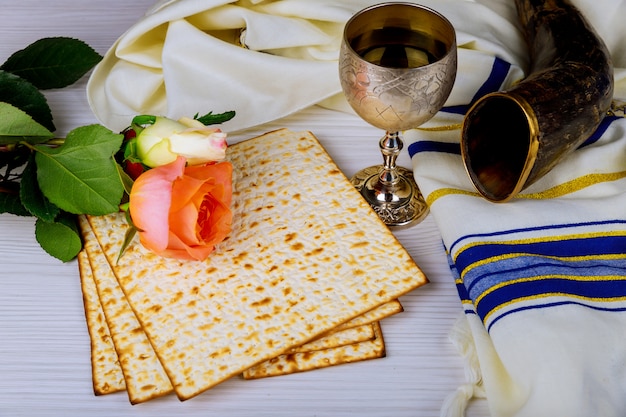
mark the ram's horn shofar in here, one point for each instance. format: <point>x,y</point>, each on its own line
<point>511,139</point>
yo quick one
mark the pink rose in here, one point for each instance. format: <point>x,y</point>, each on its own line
<point>183,211</point>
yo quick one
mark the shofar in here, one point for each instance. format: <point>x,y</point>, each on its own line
<point>511,139</point>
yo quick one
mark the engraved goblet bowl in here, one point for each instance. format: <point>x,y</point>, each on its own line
<point>397,66</point>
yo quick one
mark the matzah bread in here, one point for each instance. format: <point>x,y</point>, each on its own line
<point>375,314</point>
<point>109,378</point>
<point>299,362</point>
<point>143,373</point>
<point>350,335</point>
<point>306,254</point>
<point>106,372</point>
<point>338,338</point>
<point>112,376</point>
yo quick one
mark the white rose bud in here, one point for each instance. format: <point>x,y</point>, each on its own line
<point>160,143</point>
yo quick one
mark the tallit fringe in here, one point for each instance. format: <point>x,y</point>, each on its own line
<point>457,402</point>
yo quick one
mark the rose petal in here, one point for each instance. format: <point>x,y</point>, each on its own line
<point>218,225</point>
<point>179,250</point>
<point>185,189</point>
<point>157,134</point>
<point>221,172</point>
<point>150,201</point>
<point>205,188</point>
<point>199,145</point>
<point>159,154</point>
<point>184,224</point>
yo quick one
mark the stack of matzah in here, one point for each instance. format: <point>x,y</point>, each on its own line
<point>301,283</point>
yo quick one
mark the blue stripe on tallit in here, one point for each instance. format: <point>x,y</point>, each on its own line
<point>499,72</point>
<point>433,146</point>
<point>619,308</point>
<point>505,277</point>
<point>540,288</point>
<point>478,280</point>
<point>599,245</point>
<point>461,290</point>
<point>616,223</point>
<point>460,109</point>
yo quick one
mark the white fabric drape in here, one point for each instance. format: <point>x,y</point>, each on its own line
<point>263,59</point>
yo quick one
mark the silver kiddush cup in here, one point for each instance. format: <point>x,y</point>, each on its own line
<point>397,66</point>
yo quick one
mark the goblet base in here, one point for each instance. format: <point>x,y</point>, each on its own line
<point>400,204</point>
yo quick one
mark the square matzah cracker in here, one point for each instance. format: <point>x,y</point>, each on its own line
<point>375,314</point>
<point>106,372</point>
<point>306,254</point>
<point>299,362</point>
<point>143,373</point>
<point>338,338</point>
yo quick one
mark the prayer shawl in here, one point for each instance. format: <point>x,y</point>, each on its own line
<point>542,278</point>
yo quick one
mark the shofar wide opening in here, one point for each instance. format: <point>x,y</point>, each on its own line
<point>497,152</point>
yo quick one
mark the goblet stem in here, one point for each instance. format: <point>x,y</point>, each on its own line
<point>390,189</point>
<point>390,146</point>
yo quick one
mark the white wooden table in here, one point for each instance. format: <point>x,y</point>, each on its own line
<point>44,345</point>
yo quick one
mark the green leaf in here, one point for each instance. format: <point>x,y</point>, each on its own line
<point>60,239</point>
<point>143,119</point>
<point>53,62</point>
<point>25,96</point>
<point>214,119</point>
<point>81,176</point>
<point>17,126</point>
<point>129,151</point>
<point>10,203</point>
<point>128,238</point>
<point>127,181</point>
<point>32,198</point>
